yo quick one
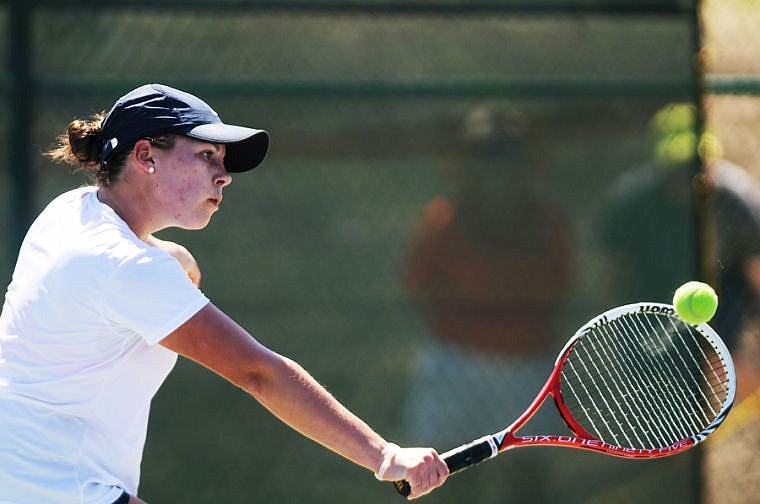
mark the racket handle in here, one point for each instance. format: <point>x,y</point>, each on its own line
<point>460,458</point>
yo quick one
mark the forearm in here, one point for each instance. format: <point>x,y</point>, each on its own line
<point>296,398</point>
<point>213,339</point>
<point>292,395</point>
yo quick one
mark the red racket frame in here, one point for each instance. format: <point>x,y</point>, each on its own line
<point>467,455</point>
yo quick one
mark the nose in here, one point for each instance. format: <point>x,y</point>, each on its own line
<point>223,178</point>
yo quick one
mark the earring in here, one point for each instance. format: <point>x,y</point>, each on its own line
<point>151,169</point>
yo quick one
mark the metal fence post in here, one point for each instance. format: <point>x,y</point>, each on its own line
<point>20,172</point>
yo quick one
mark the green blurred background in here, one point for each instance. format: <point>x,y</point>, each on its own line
<point>365,103</point>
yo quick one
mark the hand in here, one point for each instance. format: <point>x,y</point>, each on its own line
<point>181,254</point>
<point>423,468</point>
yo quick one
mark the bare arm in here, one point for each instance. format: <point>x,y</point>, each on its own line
<point>214,340</point>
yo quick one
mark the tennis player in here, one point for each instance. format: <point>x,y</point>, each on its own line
<point>98,310</point>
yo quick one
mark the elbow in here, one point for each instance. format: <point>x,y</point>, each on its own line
<point>263,380</point>
<point>255,384</point>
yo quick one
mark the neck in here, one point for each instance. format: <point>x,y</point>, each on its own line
<point>129,212</point>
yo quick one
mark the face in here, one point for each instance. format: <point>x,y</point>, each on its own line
<point>188,182</point>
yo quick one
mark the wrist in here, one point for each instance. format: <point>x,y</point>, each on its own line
<point>389,453</point>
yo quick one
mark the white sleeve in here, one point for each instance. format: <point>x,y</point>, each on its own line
<point>151,295</point>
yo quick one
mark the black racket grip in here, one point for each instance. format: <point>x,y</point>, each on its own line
<point>458,459</point>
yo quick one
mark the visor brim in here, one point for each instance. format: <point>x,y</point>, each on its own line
<point>246,147</point>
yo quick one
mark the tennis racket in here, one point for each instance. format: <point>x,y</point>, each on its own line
<point>636,382</point>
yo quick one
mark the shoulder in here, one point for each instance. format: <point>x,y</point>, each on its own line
<point>74,197</point>
<point>79,234</point>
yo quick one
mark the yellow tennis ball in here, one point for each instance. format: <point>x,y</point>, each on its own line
<point>695,302</point>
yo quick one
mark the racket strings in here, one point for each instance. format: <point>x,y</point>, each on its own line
<point>664,422</point>
<point>627,397</point>
<point>628,421</point>
<point>690,413</point>
<point>685,416</point>
<point>644,380</point>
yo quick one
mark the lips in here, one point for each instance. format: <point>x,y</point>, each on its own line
<point>215,200</point>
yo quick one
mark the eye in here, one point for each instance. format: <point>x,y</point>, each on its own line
<point>207,155</point>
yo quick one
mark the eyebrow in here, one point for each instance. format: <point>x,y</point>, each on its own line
<point>218,147</point>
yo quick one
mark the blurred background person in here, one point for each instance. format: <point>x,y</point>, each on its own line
<point>648,226</point>
<point>650,218</point>
<point>489,268</point>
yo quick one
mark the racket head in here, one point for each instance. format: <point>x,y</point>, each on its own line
<point>643,381</point>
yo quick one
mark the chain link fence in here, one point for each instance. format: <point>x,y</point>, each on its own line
<point>451,189</point>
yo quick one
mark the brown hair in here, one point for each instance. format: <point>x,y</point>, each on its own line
<point>80,146</point>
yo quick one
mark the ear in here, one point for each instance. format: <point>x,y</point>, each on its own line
<point>142,154</point>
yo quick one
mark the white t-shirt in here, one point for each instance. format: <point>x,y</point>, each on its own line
<point>79,359</point>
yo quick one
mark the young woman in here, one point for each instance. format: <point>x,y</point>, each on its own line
<point>98,310</point>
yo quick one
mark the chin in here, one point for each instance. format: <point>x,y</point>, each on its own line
<point>195,226</point>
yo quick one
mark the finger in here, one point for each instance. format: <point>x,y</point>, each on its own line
<point>427,482</point>
<point>423,483</point>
